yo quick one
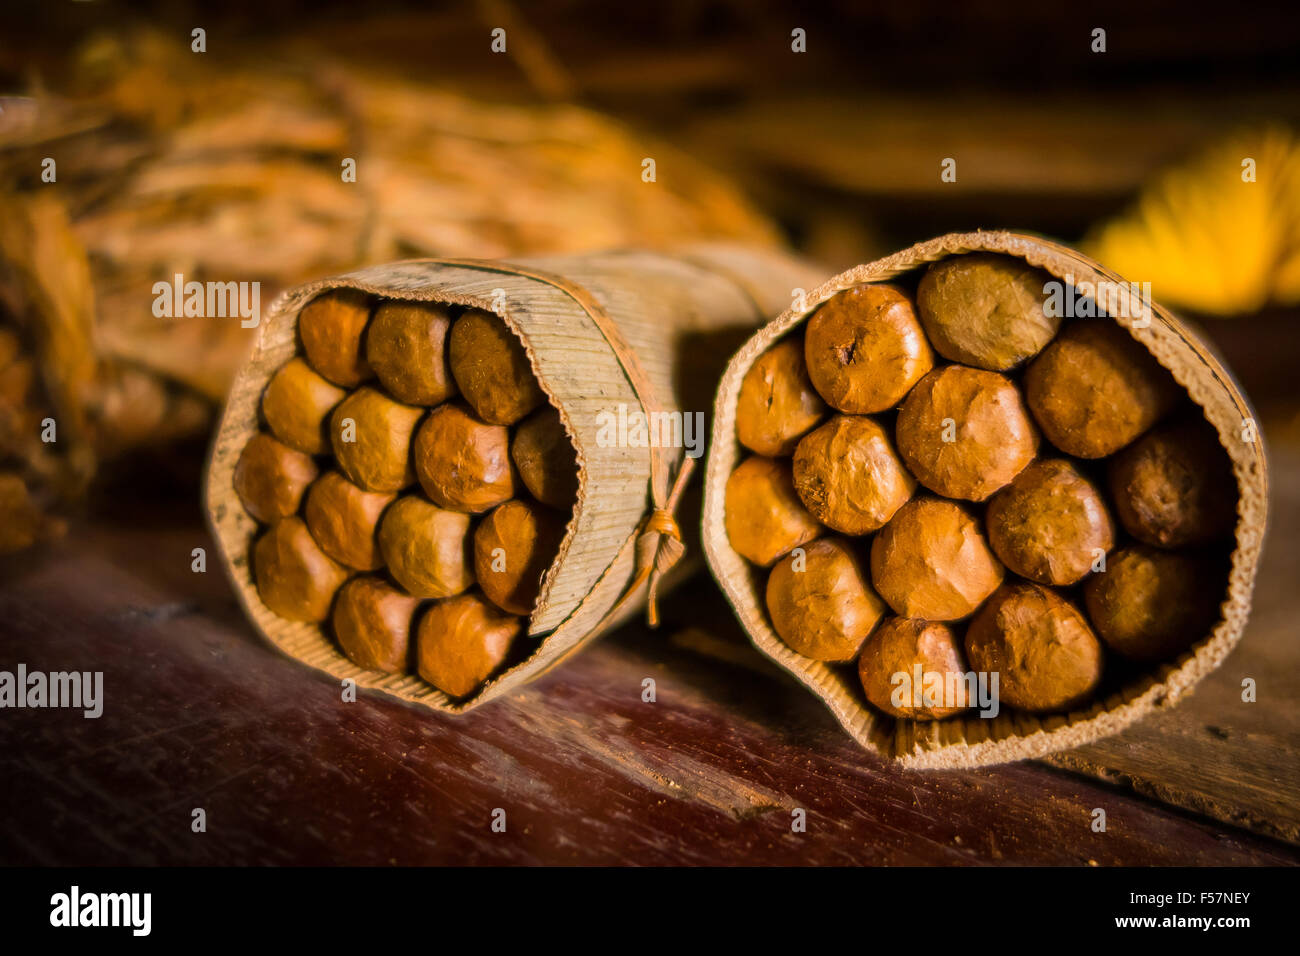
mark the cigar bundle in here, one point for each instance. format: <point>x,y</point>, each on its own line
<point>424,479</point>
<point>985,499</point>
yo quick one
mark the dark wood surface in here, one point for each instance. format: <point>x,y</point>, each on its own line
<point>200,713</point>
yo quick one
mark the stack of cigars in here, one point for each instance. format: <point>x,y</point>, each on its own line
<point>411,483</point>
<point>949,477</point>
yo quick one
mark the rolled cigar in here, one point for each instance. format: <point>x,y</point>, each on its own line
<point>965,432</point>
<point>907,646</point>
<point>295,578</point>
<point>374,451</point>
<point>777,403</point>
<point>820,602</point>
<point>865,349</point>
<point>1151,604</point>
<point>296,404</point>
<point>764,517</point>
<point>406,345</point>
<point>271,477</point>
<point>462,462</point>
<point>1094,389</point>
<point>492,369</point>
<point>545,459</point>
<point>847,475</point>
<point>985,310</point>
<point>373,623</point>
<point>427,548</point>
<point>1174,486</point>
<point>932,562</point>
<point>1050,524</point>
<point>462,640</point>
<point>1042,649</point>
<point>342,518</point>
<point>513,547</point>
<point>331,327</point>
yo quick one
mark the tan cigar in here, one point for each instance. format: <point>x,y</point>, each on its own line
<point>331,327</point>
<point>371,436</point>
<point>297,403</point>
<point>1042,649</point>
<point>545,459</point>
<point>342,518</point>
<point>373,623</point>
<point>820,602</point>
<point>932,562</point>
<point>1050,524</point>
<point>513,547</point>
<point>1094,389</point>
<point>270,478</point>
<point>764,516</point>
<point>848,477</point>
<point>462,641</point>
<point>462,462</point>
<point>777,403</point>
<point>492,369</point>
<point>865,349</point>
<point>406,345</point>
<point>295,578</point>
<point>427,549</point>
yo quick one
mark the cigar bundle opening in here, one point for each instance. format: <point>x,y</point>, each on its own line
<point>979,525</point>
<point>411,485</point>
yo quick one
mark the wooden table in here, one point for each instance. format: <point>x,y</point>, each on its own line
<point>200,713</point>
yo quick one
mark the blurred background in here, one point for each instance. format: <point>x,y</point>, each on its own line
<point>127,157</point>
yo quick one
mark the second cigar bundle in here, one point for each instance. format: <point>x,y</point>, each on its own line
<point>985,499</point>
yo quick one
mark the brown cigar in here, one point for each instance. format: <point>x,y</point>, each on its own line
<point>777,403</point>
<point>406,345</point>
<point>1043,651</point>
<point>764,516</point>
<point>1151,604</point>
<point>545,459</point>
<point>1095,389</point>
<point>462,462</point>
<point>297,403</point>
<point>965,432</point>
<point>931,561</point>
<point>331,327</point>
<point>896,648</point>
<point>427,548</point>
<point>373,621</point>
<point>462,640</point>
<point>1050,524</point>
<point>848,477</point>
<point>1174,486</point>
<point>513,547</point>
<point>271,477</point>
<point>985,310</point>
<point>342,518</point>
<point>492,369</point>
<point>865,349</point>
<point>295,578</point>
<point>375,449</point>
<point>820,602</point>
